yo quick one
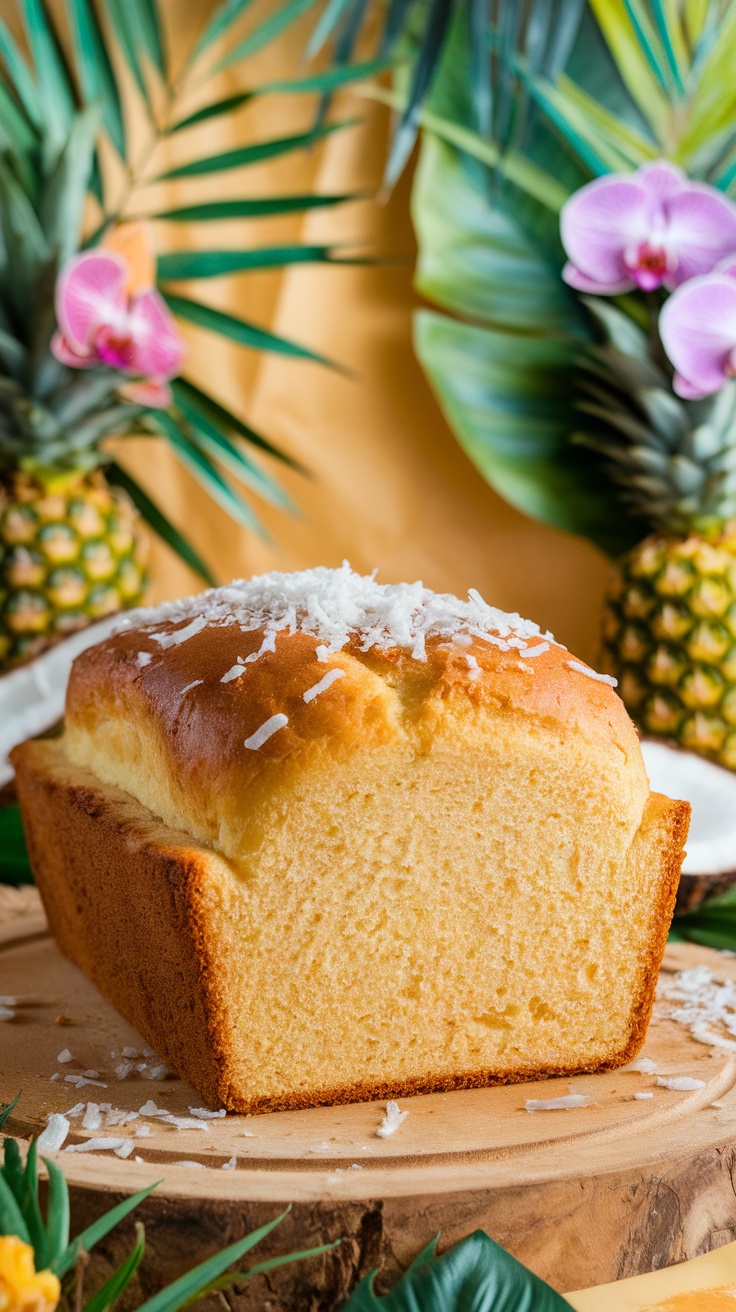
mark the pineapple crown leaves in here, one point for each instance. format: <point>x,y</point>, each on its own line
<point>635,82</point>
<point>63,121</point>
<point>21,1215</point>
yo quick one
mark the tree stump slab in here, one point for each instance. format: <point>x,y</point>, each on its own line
<point>584,1196</point>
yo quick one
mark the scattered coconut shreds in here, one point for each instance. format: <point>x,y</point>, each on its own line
<point>196,1166</point>
<point>645,1093</point>
<point>323,1147</point>
<point>76,1110</point>
<point>99,1145</point>
<point>7,1001</point>
<point>335,606</point>
<point>54,1077</point>
<point>230,1165</point>
<point>92,1119</point>
<point>266,731</point>
<point>641,1066</point>
<point>593,674</point>
<point>125,1149</point>
<point>91,1075</point>
<point>150,1109</point>
<point>391,1121</point>
<point>129,1052</point>
<point>565,1104</point>
<point>247,1134</point>
<point>64,1056</point>
<point>204,1114</point>
<point>51,1139</point>
<point>80,1080</point>
<point>6,1013</point>
<point>142,1131</point>
<point>323,684</point>
<point>139,1160</point>
<point>704,1005</point>
<point>680,1083</point>
<point>185,1122</point>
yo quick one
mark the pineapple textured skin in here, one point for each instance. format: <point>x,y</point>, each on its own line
<point>669,637</point>
<point>69,554</point>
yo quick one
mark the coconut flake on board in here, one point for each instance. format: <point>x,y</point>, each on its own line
<point>391,1121</point>
<point>564,1104</point>
<point>706,1007</point>
<point>680,1083</point>
<point>51,1139</point>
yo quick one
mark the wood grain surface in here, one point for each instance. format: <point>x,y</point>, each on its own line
<point>584,1196</point>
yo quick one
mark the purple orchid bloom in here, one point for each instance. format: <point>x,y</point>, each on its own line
<point>102,321</point>
<point>646,229</point>
<point>697,326</point>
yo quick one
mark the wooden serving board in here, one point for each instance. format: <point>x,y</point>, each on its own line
<point>582,1197</point>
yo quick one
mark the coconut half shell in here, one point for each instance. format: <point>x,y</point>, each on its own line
<point>709,867</point>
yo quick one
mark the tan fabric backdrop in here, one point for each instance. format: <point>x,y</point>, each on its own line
<point>389,485</point>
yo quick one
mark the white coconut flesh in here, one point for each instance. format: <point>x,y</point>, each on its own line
<point>711,791</point>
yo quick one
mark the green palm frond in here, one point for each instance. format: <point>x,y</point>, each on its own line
<point>56,105</point>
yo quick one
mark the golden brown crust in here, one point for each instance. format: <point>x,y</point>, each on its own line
<point>148,950</point>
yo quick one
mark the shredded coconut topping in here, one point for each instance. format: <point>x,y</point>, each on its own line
<point>323,684</point>
<point>51,1139</point>
<point>565,1104</point>
<point>704,1005</point>
<point>335,605</point>
<point>680,1083</point>
<point>266,731</point>
<point>391,1121</point>
<point>593,674</point>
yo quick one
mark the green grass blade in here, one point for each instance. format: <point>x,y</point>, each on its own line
<point>62,207</point>
<point>238,1277</point>
<point>158,521</point>
<point>228,420</point>
<point>185,1289</point>
<point>252,208</point>
<point>239,330</point>
<point>209,477</point>
<point>12,1169</point>
<point>209,436</point>
<point>57,1217</point>
<point>31,1208</point>
<point>96,76</point>
<point>20,135</point>
<point>267,31</point>
<point>113,1288</point>
<point>11,1218</point>
<point>21,77</point>
<point>97,1231</point>
<point>184,265</point>
<point>7,1109</point>
<point>215,110</point>
<point>254,154</point>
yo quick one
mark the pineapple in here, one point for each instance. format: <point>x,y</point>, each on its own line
<point>71,551</point>
<point>669,622</point>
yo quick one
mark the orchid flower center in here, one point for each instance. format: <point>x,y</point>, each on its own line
<point>730,368</point>
<point>649,263</point>
<point>115,346</point>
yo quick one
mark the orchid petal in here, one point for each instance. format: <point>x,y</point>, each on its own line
<point>697,326</point>
<point>158,347</point>
<point>148,392</point>
<point>701,229</point>
<point>600,221</point>
<point>682,387</point>
<point>661,179</point>
<point>727,265</point>
<point>64,352</point>
<point>582,283</point>
<point>89,293</point>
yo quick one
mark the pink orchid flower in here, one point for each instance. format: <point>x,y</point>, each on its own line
<point>697,326</point>
<point>102,322</point>
<point>646,229</point>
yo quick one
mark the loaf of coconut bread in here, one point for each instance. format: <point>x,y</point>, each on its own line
<point>322,839</point>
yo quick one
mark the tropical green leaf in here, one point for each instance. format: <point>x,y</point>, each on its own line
<point>53,76</point>
<point>224,17</point>
<point>57,1216</point>
<point>86,1241</point>
<point>23,236</point>
<point>330,18</point>
<point>331,80</point>
<point>122,21</point>
<point>239,330</point>
<point>216,444</point>
<point>228,420</point>
<point>18,134</point>
<point>187,1287</point>
<point>112,1288</point>
<point>598,151</point>
<point>475,260</point>
<point>255,154</point>
<point>215,110</point>
<point>63,203</point>
<point>266,31</point>
<point>634,65</point>
<point>6,1111</point>
<point>207,474</point>
<point>12,1168</point>
<point>96,76</point>
<point>252,208</point>
<point>158,521</point>
<point>713,925</point>
<point>12,1221</point>
<point>437,26</point>
<point>184,265</point>
<point>238,1277</point>
<point>475,1274</point>
<point>148,29</point>
<point>21,77</point>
